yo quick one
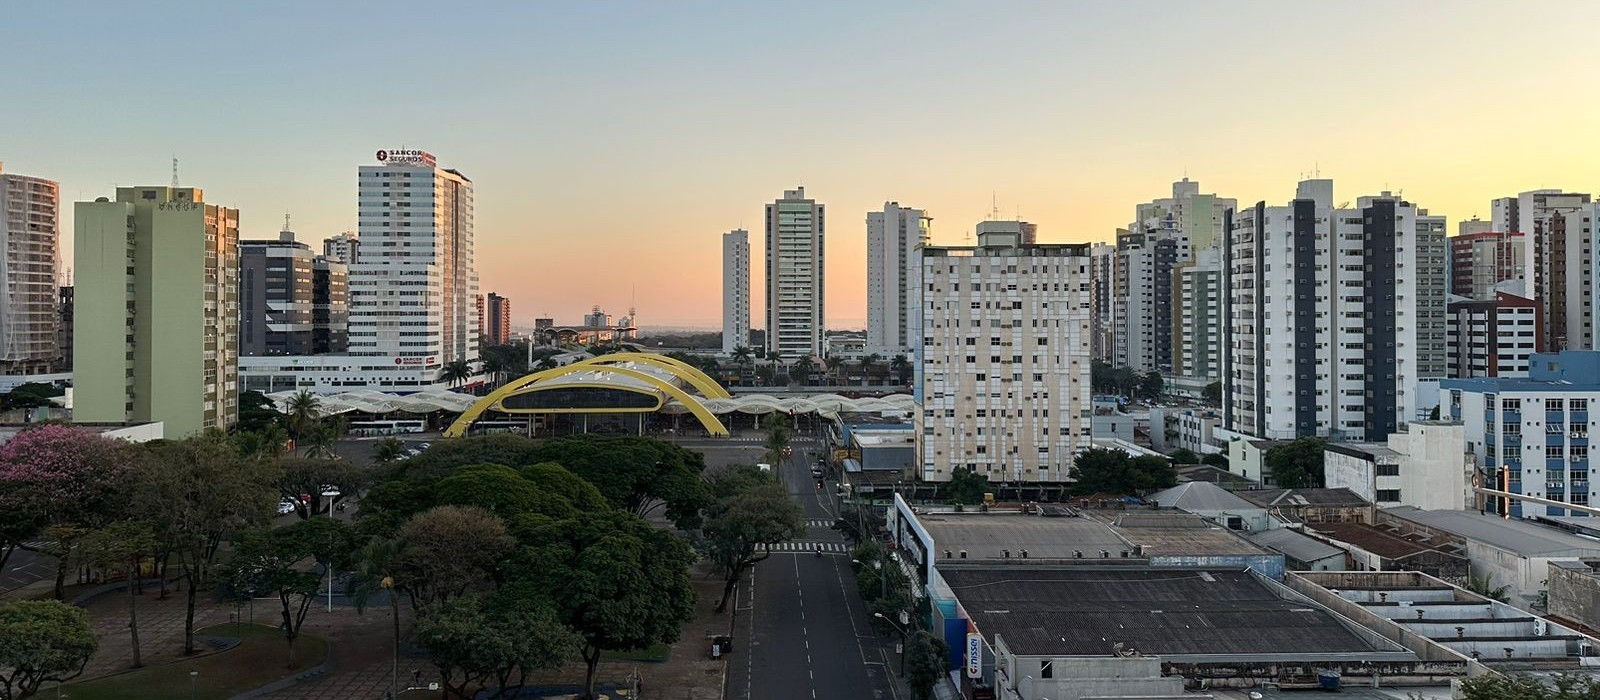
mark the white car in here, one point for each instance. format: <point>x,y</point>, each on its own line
<point>285,507</point>
<point>764,467</point>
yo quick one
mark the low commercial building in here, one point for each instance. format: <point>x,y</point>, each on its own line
<point>1372,548</point>
<point>1509,551</point>
<point>1425,465</point>
<point>1301,553</point>
<point>1329,505</point>
<point>1216,504</point>
<point>1575,592</point>
<point>1191,429</point>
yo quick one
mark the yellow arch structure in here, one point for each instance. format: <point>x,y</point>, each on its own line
<point>708,387</point>
<point>529,383</point>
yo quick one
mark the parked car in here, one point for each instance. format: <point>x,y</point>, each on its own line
<point>285,507</point>
<point>764,467</point>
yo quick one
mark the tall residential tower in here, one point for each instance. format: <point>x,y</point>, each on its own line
<point>795,280</point>
<point>30,237</point>
<point>895,237</point>
<point>735,290</point>
<point>156,316</point>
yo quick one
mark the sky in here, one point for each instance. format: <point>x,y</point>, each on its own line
<point>612,143</point>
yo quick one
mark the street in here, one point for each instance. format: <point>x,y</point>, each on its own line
<point>25,567</point>
<point>804,629</point>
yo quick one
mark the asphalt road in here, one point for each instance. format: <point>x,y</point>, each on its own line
<point>804,632</point>
<point>25,567</point>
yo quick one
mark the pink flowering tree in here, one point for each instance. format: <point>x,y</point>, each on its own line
<point>57,483</point>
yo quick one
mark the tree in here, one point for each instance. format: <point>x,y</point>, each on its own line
<point>616,581</point>
<point>268,441</point>
<point>741,355</point>
<point>1213,393</point>
<point>1215,459</point>
<point>1484,586</point>
<point>290,563</point>
<point>126,544</point>
<point>456,372</point>
<point>42,641</point>
<point>635,474</point>
<point>256,412</point>
<point>447,551</point>
<point>741,527</point>
<point>1297,463</point>
<point>869,367</point>
<point>494,365</point>
<point>1183,455</point>
<point>1152,385</point>
<point>304,409</point>
<point>902,368</point>
<point>765,374</point>
<point>67,480</point>
<point>196,493</point>
<point>373,568</point>
<point>320,436</point>
<point>927,660</point>
<point>777,427</point>
<point>388,450</point>
<point>966,487</point>
<point>1563,686</point>
<point>500,490</point>
<point>305,476</point>
<point>475,642</point>
<point>800,371</point>
<point>1103,470</point>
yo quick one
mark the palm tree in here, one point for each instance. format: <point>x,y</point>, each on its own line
<point>457,372</point>
<point>834,363</point>
<point>902,368</point>
<point>869,365</point>
<point>376,566</point>
<point>549,362</point>
<point>800,371</point>
<point>741,355</point>
<point>320,438</point>
<point>494,365</point>
<point>304,409</point>
<point>388,450</point>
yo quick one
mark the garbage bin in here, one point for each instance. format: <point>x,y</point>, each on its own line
<point>721,644</point>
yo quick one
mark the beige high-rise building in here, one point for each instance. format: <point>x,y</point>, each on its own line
<point>1006,361</point>
<point>156,318</point>
<point>29,290</point>
<point>795,276</point>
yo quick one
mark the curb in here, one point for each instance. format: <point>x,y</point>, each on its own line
<point>316,671</point>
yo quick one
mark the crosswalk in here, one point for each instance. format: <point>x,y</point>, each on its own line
<point>819,523</point>
<point>805,547</point>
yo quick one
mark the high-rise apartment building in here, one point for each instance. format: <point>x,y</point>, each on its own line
<point>1492,337</point>
<point>1197,216</point>
<point>496,320</point>
<point>64,335</point>
<point>735,290</point>
<point>1322,312</point>
<point>345,248</point>
<point>30,238</point>
<point>1006,364</point>
<point>1563,273</point>
<point>1531,435</point>
<point>895,237</point>
<point>157,335</point>
<point>1432,261</point>
<point>291,301</point>
<point>1102,285</point>
<point>1198,291</point>
<point>1483,259</point>
<point>795,279</point>
<point>414,285</point>
<point>1142,306</point>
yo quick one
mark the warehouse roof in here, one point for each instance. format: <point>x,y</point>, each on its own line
<point>1088,611</point>
<point>1201,497</point>
<point>1294,545</point>
<point>1510,534</point>
<point>1269,498</point>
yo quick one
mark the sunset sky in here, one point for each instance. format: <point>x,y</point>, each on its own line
<point>612,143</point>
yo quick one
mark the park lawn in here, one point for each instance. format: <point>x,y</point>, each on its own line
<point>656,653</point>
<point>259,659</point>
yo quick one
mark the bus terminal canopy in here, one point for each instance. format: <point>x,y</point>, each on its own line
<point>377,402</point>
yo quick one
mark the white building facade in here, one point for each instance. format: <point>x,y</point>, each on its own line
<point>895,237</point>
<point>1198,293</point>
<point>1005,372</point>
<point>30,236</point>
<point>1142,306</point>
<point>1322,312</point>
<point>735,290</point>
<point>345,248</point>
<point>795,277</point>
<point>1426,465</point>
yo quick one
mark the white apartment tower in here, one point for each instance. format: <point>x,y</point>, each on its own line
<point>1322,312</point>
<point>414,288</point>
<point>1554,259</point>
<point>1006,362</point>
<point>1198,216</point>
<point>795,282</point>
<point>1102,284</point>
<point>1197,337</point>
<point>735,290</point>
<point>30,236</point>
<point>895,237</point>
<point>1141,308</point>
<point>345,248</point>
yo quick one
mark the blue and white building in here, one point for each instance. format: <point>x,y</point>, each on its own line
<point>1531,435</point>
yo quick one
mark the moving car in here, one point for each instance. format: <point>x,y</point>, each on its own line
<point>764,467</point>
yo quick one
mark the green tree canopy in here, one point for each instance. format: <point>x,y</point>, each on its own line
<point>636,475</point>
<point>1104,470</point>
<point>1297,463</point>
<point>927,660</point>
<point>966,487</point>
<point>289,564</point>
<point>493,643</point>
<point>616,581</point>
<point>1183,456</point>
<point>305,476</point>
<point>42,641</point>
<point>1564,686</point>
<point>742,525</point>
<point>1213,393</point>
<point>448,551</point>
<point>502,491</point>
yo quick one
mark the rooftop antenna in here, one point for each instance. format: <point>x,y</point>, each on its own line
<point>1316,169</point>
<point>286,222</point>
<point>994,207</point>
<point>174,170</point>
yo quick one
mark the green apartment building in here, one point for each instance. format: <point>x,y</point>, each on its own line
<point>156,320</point>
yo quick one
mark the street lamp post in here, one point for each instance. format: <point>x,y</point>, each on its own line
<point>394,674</point>
<point>194,680</point>
<point>330,494</point>
<point>903,640</point>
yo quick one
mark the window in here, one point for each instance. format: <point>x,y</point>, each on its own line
<point>1389,469</point>
<point>1047,669</point>
<point>1388,495</point>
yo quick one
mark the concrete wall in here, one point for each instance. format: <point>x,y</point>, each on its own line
<point>1313,587</point>
<point>1268,565</point>
<point>1575,593</point>
<point>100,312</point>
<point>1075,678</point>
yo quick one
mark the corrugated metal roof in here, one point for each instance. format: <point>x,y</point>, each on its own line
<point>1202,497</point>
<point>1294,545</point>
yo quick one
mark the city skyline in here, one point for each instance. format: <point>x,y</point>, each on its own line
<point>597,134</point>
